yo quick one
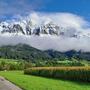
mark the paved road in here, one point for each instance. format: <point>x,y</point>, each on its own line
<point>6,85</point>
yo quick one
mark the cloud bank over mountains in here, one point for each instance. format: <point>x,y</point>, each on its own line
<point>68,23</point>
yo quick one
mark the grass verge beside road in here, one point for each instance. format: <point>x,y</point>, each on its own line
<point>28,82</point>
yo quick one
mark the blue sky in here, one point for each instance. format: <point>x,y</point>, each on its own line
<point>10,8</point>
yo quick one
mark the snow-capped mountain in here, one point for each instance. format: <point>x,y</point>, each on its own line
<point>26,27</point>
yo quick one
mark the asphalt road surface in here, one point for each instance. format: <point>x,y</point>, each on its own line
<point>6,85</point>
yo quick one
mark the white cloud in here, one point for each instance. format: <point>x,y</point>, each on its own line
<point>8,8</point>
<point>66,20</point>
<point>61,19</point>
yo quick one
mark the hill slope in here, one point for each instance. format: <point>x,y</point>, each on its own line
<point>23,51</point>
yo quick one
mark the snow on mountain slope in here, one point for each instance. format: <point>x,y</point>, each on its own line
<point>60,31</point>
<point>21,28</point>
<point>32,26</point>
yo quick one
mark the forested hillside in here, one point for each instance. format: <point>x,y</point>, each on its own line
<point>26,52</point>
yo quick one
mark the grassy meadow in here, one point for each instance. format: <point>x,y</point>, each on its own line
<point>22,73</point>
<point>29,82</point>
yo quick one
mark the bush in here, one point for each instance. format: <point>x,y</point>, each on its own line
<point>70,73</point>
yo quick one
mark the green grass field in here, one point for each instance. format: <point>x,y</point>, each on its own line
<point>28,82</point>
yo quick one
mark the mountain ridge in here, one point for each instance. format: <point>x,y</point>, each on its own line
<point>26,52</point>
<point>51,28</point>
